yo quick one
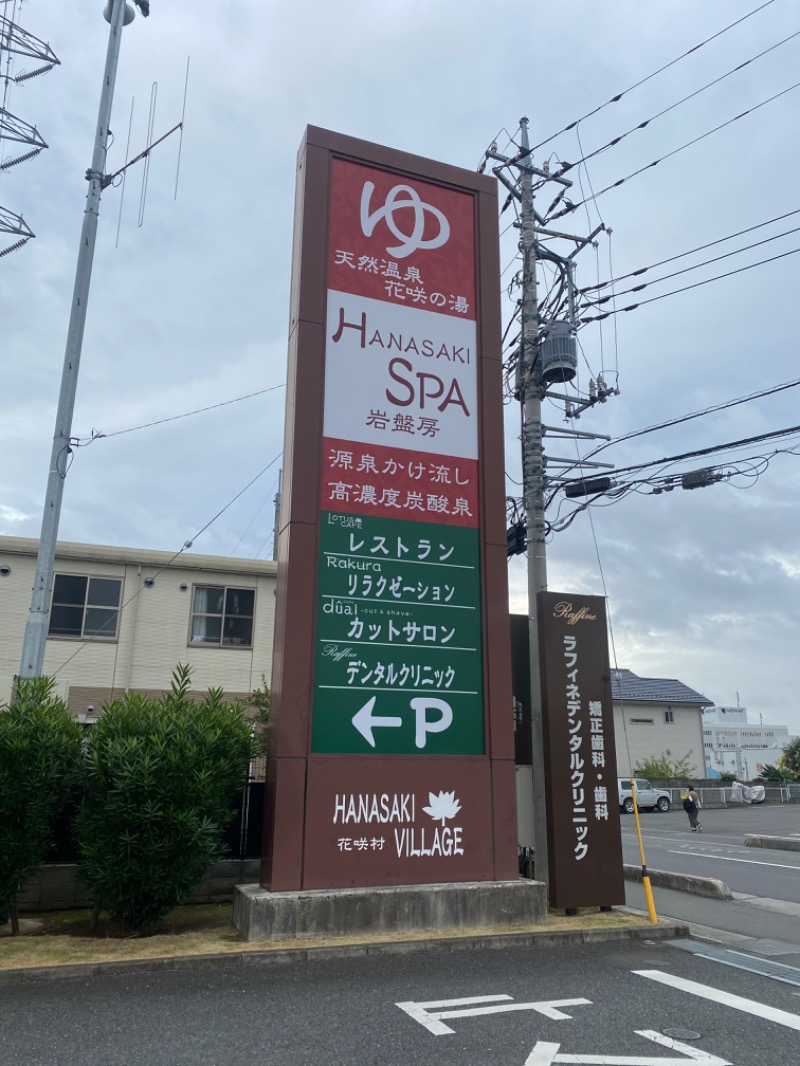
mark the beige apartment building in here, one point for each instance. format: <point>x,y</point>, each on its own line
<point>121,619</point>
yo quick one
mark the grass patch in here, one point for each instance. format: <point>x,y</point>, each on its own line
<point>62,938</point>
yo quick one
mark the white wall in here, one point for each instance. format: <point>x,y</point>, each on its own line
<point>153,635</point>
<point>642,732</point>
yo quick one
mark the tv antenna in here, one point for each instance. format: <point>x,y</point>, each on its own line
<point>144,155</point>
<point>26,139</point>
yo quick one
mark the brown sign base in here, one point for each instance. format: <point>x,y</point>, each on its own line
<point>259,914</point>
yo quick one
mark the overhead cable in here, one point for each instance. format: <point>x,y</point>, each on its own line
<point>642,81</point>
<point>691,251</point>
<point>695,266</point>
<point>174,418</point>
<point>682,148</point>
<point>686,288</point>
<point>565,166</point>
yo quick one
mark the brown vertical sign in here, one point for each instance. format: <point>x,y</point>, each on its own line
<point>583,832</point>
<point>391,731</point>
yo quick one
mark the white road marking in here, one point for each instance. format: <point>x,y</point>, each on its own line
<point>729,858</point>
<point>727,999</point>
<point>548,1054</point>
<point>430,1014</point>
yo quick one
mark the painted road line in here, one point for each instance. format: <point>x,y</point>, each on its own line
<point>547,1054</point>
<point>430,1014</point>
<point>727,999</point>
<point>729,858</point>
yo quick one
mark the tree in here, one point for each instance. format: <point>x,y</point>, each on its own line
<point>161,777</point>
<point>789,762</point>
<point>771,773</point>
<point>40,754</point>
<point>662,766</point>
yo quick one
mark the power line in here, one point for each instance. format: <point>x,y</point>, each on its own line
<point>642,81</point>
<point>714,409</point>
<point>565,167</point>
<point>686,288</point>
<point>695,266</point>
<point>682,148</point>
<point>174,418</point>
<point>711,450</point>
<point>691,251</point>
<point>698,414</point>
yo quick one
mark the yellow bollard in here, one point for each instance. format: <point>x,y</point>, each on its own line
<point>648,891</point>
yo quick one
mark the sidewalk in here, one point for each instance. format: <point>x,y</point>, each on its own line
<point>198,936</point>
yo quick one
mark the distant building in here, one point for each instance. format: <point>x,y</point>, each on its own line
<point>725,715</point>
<point>653,717</point>
<point>121,619</point>
<point>732,745</point>
<point>657,716</point>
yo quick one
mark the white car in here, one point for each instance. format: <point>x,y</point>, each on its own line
<point>647,797</point>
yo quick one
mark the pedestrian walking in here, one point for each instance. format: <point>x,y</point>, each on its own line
<point>692,805</point>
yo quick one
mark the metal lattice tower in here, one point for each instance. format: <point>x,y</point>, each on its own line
<point>17,46</point>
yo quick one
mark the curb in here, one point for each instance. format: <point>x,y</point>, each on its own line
<point>710,887</point>
<point>776,843</point>
<point>279,956</point>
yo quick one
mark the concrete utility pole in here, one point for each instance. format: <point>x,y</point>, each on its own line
<point>533,483</point>
<point>118,13</point>
<point>546,357</point>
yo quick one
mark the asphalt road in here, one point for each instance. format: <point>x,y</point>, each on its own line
<point>628,1000</point>
<point>765,882</point>
<point>719,850</point>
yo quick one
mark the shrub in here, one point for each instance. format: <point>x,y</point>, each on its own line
<point>661,766</point>
<point>161,776</point>
<point>40,750</point>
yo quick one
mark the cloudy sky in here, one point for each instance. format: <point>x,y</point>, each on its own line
<point>189,308</point>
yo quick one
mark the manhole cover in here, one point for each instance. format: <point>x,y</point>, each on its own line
<point>682,1034</point>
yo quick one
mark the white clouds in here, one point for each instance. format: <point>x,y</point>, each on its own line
<point>192,308</point>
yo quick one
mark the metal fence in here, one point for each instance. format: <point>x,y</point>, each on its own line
<point>724,795</point>
<point>242,835</point>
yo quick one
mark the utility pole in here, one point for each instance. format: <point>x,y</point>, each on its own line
<point>530,380</point>
<point>117,13</point>
<point>547,355</point>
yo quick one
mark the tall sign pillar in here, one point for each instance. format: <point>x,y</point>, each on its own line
<point>392,757</point>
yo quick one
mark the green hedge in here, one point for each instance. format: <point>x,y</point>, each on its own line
<point>160,776</point>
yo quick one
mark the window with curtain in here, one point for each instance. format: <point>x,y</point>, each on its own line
<point>222,616</point>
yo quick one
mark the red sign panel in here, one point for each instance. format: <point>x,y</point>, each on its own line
<point>392,738</point>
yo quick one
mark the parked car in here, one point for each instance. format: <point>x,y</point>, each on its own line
<point>647,797</point>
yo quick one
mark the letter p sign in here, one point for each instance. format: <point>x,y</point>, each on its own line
<point>424,725</point>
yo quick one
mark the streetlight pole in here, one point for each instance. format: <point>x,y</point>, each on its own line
<point>118,13</point>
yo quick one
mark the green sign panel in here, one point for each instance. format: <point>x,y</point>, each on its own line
<point>398,664</point>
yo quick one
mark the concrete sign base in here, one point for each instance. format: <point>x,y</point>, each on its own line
<point>259,914</point>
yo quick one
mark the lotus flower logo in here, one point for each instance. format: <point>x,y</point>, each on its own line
<point>442,806</point>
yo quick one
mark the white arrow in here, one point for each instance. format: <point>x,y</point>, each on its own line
<point>365,721</point>
<point>547,1054</point>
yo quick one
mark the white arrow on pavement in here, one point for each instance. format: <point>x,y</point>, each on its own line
<point>365,721</point>
<point>547,1054</point>
<point>430,1014</point>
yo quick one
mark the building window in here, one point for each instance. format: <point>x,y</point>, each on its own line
<point>669,717</point>
<point>85,607</point>
<point>642,721</point>
<point>222,616</point>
